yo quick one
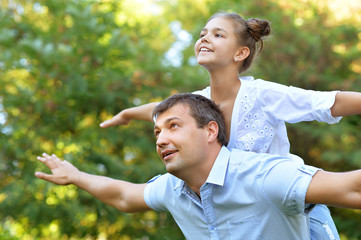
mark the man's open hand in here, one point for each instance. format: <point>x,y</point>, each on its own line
<point>63,172</point>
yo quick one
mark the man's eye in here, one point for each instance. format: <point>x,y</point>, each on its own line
<point>173,125</point>
<point>156,133</point>
<point>218,35</point>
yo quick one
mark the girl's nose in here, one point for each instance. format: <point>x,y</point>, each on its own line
<point>204,38</point>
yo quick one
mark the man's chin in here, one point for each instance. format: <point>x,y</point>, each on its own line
<point>171,169</point>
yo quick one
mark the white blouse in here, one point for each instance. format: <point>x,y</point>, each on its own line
<point>261,109</point>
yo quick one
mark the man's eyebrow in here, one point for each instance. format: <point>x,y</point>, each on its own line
<point>167,121</point>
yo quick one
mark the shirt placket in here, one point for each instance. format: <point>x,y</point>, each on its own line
<point>206,198</point>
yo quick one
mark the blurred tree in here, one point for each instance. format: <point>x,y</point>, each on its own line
<point>65,66</point>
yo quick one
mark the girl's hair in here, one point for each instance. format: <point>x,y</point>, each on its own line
<point>249,32</point>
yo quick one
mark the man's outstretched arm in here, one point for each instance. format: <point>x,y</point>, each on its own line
<point>336,189</point>
<point>125,196</point>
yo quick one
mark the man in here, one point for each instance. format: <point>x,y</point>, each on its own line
<point>214,193</point>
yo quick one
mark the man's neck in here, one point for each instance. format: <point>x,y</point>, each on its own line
<point>196,177</point>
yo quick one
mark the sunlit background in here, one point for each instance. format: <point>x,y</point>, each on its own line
<point>66,66</point>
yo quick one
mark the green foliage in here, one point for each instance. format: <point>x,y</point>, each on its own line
<point>66,66</point>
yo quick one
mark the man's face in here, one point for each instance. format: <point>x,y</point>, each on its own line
<point>180,143</point>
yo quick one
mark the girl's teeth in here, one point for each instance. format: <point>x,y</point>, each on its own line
<point>205,50</point>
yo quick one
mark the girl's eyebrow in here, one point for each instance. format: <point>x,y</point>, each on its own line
<point>214,30</point>
<point>220,29</point>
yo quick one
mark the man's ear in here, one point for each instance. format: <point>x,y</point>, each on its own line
<point>212,131</point>
<point>241,54</point>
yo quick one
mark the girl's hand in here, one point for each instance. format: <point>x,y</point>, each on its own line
<point>118,119</point>
<point>142,112</point>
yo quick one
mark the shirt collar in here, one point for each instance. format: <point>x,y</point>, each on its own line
<point>180,183</point>
<point>218,172</point>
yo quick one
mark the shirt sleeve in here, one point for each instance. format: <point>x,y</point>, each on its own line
<point>293,104</point>
<point>286,184</point>
<point>154,192</point>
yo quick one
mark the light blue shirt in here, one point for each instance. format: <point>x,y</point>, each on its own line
<point>246,196</point>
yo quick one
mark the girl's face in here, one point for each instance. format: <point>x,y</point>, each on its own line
<point>217,44</point>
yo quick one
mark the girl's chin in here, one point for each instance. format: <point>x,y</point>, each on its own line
<point>202,62</point>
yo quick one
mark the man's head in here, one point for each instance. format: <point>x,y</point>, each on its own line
<point>190,132</point>
<point>202,109</point>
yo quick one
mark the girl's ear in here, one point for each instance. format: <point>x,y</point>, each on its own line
<point>241,54</point>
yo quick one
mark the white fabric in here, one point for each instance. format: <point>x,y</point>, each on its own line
<point>261,109</point>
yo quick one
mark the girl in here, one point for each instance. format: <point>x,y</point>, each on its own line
<point>256,110</point>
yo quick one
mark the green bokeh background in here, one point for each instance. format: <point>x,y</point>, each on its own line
<point>66,66</point>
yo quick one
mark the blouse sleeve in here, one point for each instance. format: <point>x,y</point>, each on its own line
<point>293,104</point>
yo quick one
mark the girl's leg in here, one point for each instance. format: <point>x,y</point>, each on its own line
<point>322,226</point>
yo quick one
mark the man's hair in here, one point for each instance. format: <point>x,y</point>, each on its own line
<point>202,109</point>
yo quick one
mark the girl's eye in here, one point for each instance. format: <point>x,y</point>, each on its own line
<point>218,35</point>
<point>173,125</point>
<point>201,35</point>
<point>156,133</point>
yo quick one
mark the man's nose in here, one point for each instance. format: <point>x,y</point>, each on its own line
<point>162,138</point>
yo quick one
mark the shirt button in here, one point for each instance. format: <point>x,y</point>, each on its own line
<point>212,227</point>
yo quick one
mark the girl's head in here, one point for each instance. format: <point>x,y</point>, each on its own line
<point>248,33</point>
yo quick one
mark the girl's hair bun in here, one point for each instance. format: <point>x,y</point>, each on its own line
<point>258,28</point>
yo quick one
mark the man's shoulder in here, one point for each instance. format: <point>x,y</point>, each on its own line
<point>249,159</point>
<point>238,155</point>
<point>165,181</point>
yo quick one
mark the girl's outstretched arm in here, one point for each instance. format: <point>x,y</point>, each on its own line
<point>143,112</point>
<point>346,103</point>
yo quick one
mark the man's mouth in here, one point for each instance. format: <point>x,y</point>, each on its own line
<point>166,154</point>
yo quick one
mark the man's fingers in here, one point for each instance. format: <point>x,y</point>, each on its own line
<point>50,161</point>
<point>51,178</point>
<point>44,157</point>
<point>61,170</point>
<point>44,176</point>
